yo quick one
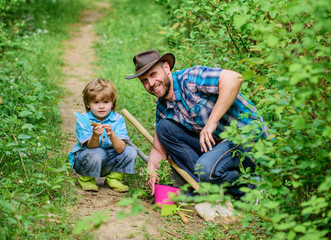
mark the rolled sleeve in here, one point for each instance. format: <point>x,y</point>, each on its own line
<point>206,79</point>
<point>83,133</point>
<point>120,128</point>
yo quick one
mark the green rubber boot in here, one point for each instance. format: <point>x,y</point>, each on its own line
<point>88,183</point>
<point>113,180</point>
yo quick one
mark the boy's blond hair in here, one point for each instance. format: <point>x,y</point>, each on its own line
<point>99,89</point>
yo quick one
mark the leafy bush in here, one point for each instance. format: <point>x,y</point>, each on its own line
<point>164,173</point>
<point>34,171</point>
<point>282,50</point>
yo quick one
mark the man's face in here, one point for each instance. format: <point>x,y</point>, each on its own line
<point>156,81</point>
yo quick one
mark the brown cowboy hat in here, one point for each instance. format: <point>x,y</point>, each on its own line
<point>145,60</point>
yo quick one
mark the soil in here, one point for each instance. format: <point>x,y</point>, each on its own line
<point>78,70</point>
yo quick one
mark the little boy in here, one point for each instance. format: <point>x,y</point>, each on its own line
<point>101,150</point>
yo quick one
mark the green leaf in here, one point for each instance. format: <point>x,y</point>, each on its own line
<point>276,170</point>
<point>295,67</point>
<point>300,228</point>
<point>296,184</point>
<point>257,61</point>
<point>25,113</point>
<point>285,226</point>
<point>260,79</point>
<point>273,14</point>
<point>240,20</point>
<point>270,204</point>
<point>27,126</point>
<point>6,206</point>
<point>24,136</point>
<point>56,111</point>
<point>297,27</point>
<point>327,132</point>
<point>299,122</point>
<point>248,74</point>
<point>307,210</point>
<point>272,40</point>
<point>279,110</point>
<point>326,185</point>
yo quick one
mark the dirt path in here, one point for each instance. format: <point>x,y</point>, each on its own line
<point>79,69</point>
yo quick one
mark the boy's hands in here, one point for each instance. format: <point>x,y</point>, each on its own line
<point>108,129</point>
<point>118,144</point>
<point>97,129</point>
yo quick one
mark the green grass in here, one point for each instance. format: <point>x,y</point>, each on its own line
<point>34,179</point>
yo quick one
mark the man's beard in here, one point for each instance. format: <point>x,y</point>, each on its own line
<point>167,85</point>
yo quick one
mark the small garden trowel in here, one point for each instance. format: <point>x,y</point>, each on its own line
<point>169,209</point>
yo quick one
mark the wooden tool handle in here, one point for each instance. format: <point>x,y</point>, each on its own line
<point>146,134</point>
<point>184,174</point>
<point>183,217</point>
<point>137,125</point>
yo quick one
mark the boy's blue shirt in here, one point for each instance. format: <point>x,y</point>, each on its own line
<point>83,133</point>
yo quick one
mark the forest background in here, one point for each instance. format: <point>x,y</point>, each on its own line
<point>281,48</point>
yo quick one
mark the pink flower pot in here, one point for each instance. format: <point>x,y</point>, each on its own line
<point>162,194</point>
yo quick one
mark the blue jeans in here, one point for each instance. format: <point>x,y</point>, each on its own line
<point>216,166</point>
<point>99,162</point>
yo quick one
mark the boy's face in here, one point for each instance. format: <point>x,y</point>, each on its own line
<point>100,108</point>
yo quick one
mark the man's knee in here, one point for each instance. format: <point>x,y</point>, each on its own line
<point>224,169</point>
<point>206,175</point>
<point>163,127</point>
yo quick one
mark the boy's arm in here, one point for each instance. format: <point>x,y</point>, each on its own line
<point>93,142</point>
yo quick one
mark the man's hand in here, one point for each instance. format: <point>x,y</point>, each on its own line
<point>151,184</point>
<point>206,137</point>
<point>156,155</point>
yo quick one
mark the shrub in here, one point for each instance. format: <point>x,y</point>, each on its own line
<point>282,50</point>
<point>34,173</point>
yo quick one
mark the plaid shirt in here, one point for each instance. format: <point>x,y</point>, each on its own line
<point>195,95</point>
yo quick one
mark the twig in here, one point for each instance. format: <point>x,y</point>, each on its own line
<point>30,195</point>
<point>173,234</point>
<point>16,215</point>
<point>227,28</point>
<point>3,155</point>
<point>35,194</point>
<point>26,175</point>
<point>257,89</point>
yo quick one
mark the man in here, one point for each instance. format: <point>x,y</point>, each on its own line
<point>194,106</point>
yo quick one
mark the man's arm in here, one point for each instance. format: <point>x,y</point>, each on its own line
<point>228,86</point>
<point>156,155</point>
